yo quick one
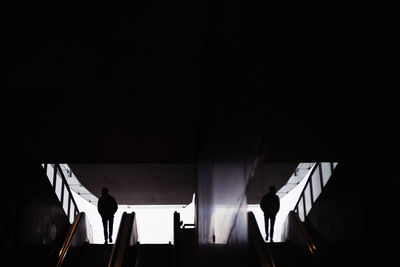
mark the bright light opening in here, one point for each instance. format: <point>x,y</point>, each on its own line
<point>287,204</point>
<point>154,222</point>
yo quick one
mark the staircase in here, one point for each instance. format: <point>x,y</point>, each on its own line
<point>154,255</point>
<point>299,248</point>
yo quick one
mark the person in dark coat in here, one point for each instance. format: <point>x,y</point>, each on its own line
<point>107,206</point>
<point>270,206</point>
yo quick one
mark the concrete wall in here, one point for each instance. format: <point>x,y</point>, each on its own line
<point>33,221</point>
<point>232,125</point>
<point>348,219</point>
<point>224,168</point>
<point>231,136</point>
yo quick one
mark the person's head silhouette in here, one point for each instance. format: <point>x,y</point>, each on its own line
<point>104,191</point>
<point>272,189</point>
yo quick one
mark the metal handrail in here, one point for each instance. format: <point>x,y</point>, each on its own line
<point>127,236</point>
<point>67,242</point>
<point>257,241</point>
<point>186,225</point>
<point>314,167</point>
<point>309,185</point>
<point>68,188</point>
<point>313,197</point>
<point>307,236</point>
<point>64,186</point>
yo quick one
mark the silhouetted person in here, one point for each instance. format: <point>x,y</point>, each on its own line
<point>270,206</point>
<point>107,206</point>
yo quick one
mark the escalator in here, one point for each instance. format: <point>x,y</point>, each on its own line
<point>286,254</point>
<point>77,251</point>
<point>303,246</point>
<point>139,255</point>
<point>280,254</point>
<point>89,255</point>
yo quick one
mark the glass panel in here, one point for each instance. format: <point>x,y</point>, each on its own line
<point>50,172</point>
<point>308,198</point>
<point>65,203</point>
<point>326,171</point>
<point>316,184</point>
<point>72,213</point>
<point>301,209</point>
<point>58,186</point>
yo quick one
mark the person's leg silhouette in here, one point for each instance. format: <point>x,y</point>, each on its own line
<point>266,226</point>
<point>110,229</point>
<point>104,220</point>
<point>271,233</point>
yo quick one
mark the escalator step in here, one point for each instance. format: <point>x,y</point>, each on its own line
<point>286,254</point>
<point>89,255</point>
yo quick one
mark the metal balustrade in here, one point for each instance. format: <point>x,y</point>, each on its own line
<point>319,176</point>
<point>60,185</point>
<point>76,186</point>
<point>295,179</point>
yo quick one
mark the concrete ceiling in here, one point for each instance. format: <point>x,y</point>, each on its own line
<point>268,174</point>
<point>139,184</point>
<point>156,184</point>
<point>125,83</point>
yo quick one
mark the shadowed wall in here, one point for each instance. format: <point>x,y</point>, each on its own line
<point>33,221</point>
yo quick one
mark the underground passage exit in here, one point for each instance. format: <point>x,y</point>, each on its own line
<point>83,244</point>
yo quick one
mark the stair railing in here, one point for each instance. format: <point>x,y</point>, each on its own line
<point>263,255</point>
<point>61,188</point>
<point>79,233</point>
<point>319,176</point>
<point>127,236</point>
<point>306,234</point>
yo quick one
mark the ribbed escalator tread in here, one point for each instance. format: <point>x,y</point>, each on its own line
<point>154,255</point>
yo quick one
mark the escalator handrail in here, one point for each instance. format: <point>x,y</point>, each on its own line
<point>127,236</point>
<point>313,169</point>
<point>67,242</point>
<point>307,236</point>
<point>264,255</point>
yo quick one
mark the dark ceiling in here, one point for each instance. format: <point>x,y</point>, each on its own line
<point>126,82</point>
